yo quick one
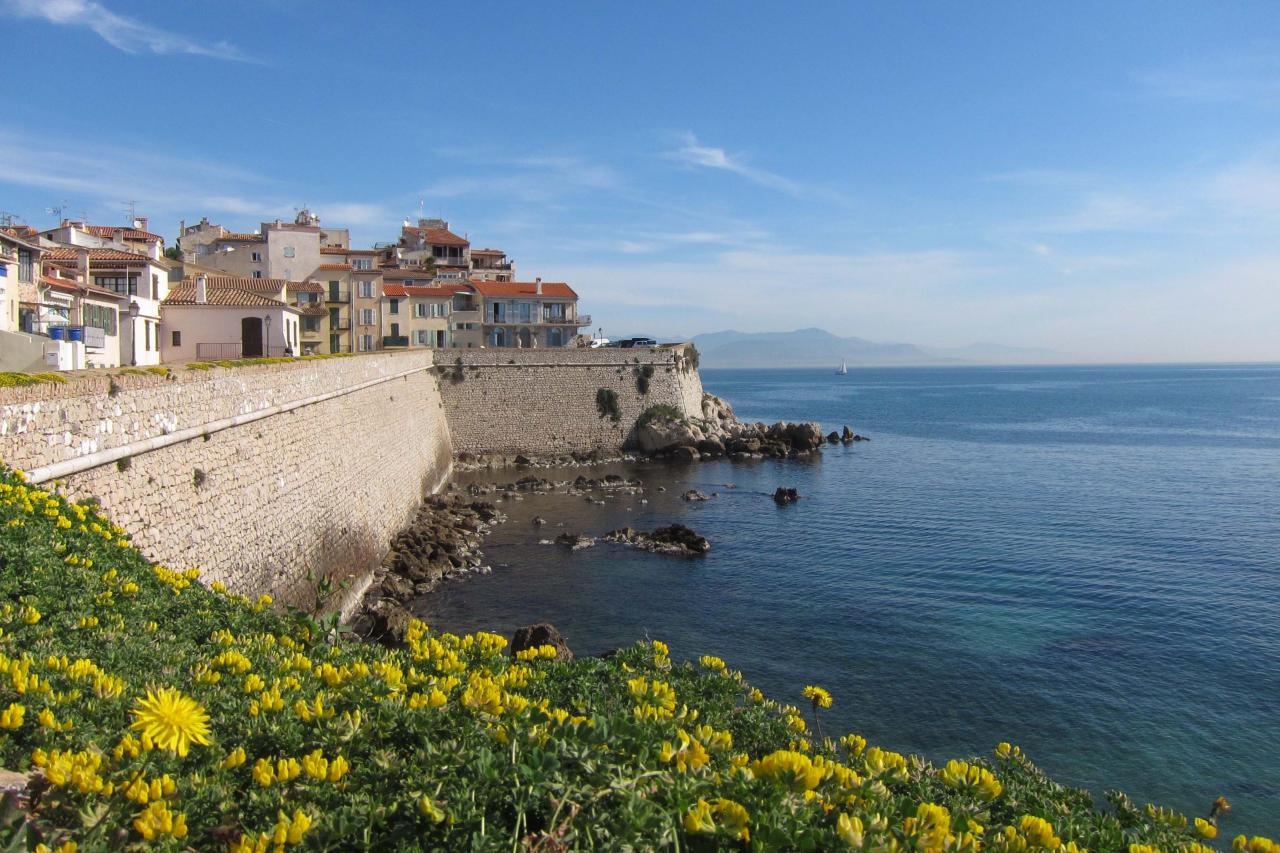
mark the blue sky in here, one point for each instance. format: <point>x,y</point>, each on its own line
<point>1102,179</point>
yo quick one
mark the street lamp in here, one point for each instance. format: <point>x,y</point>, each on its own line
<point>267,346</point>
<point>133,333</point>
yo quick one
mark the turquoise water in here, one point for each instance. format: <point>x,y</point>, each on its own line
<point>1084,561</point>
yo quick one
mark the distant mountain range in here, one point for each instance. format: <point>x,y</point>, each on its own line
<point>820,348</point>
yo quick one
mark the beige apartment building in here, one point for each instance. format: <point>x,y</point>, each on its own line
<point>528,314</point>
<point>313,327</point>
<point>284,250</point>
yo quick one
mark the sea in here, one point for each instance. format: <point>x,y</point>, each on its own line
<point>1083,561</point>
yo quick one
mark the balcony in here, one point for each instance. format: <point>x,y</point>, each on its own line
<point>582,320</point>
<point>395,341</point>
<point>470,315</point>
<point>342,324</point>
<point>340,295</point>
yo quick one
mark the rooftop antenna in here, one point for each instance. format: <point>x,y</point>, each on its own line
<point>131,206</point>
<point>56,211</point>
<point>7,219</point>
<point>422,208</point>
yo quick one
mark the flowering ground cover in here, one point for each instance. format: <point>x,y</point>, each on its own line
<point>149,711</point>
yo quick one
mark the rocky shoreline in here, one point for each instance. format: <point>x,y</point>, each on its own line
<point>444,539</point>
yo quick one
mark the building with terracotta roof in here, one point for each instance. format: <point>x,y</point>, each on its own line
<point>216,317</point>
<point>491,265</point>
<point>417,312</point>
<point>85,324</point>
<point>19,271</point>
<point>528,314</point>
<point>133,238</point>
<point>288,250</point>
<point>143,279</point>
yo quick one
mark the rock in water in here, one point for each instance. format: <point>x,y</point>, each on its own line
<point>833,437</point>
<point>695,495</point>
<point>847,435</point>
<point>784,496</point>
<point>541,634</point>
<point>685,453</point>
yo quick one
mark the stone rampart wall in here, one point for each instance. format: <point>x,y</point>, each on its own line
<point>543,402</point>
<point>314,487</point>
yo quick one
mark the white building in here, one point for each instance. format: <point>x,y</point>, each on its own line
<point>209,318</point>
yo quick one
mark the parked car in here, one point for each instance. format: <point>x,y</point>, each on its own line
<point>631,343</point>
<point>596,343</point>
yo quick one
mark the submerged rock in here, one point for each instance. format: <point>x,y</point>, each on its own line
<point>695,495</point>
<point>675,539</point>
<point>541,634</point>
<point>784,496</point>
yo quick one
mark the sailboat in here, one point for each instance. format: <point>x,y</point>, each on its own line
<point>843,369</point>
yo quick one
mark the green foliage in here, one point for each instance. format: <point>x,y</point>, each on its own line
<point>607,404</point>
<point>251,362</point>
<point>21,380</point>
<point>689,361</point>
<point>660,412</point>
<point>447,743</point>
<point>643,374</point>
<point>459,373</point>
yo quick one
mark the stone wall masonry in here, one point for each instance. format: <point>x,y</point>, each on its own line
<point>543,402</point>
<point>315,491</point>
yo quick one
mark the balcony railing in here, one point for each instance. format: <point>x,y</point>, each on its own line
<point>395,341</point>
<point>217,352</point>
<point>342,295</point>
<point>339,325</point>
<point>469,315</point>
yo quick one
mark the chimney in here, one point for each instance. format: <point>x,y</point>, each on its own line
<point>82,264</point>
<point>140,223</point>
<point>537,285</point>
<point>117,235</point>
<point>202,289</point>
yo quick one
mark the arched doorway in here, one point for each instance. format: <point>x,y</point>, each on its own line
<point>498,338</point>
<point>251,337</point>
<point>526,339</point>
<point>555,337</point>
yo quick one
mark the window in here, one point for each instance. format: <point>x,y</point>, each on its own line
<point>335,291</point>
<point>366,316</point>
<point>335,343</point>
<point>257,273</point>
<point>366,343</point>
<point>118,283</point>
<point>366,290</point>
<point>395,330</point>
<point>288,251</point>
<point>395,306</point>
<point>310,324</point>
<point>100,317</point>
<point>420,309</point>
<point>155,286</point>
<point>255,256</point>
<point>147,324</point>
<point>553,312</point>
<point>24,265</point>
<point>422,337</point>
<point>362,263</point>
<point>177,338</point>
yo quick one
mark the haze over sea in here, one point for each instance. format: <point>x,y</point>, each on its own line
<point>1081,560</point>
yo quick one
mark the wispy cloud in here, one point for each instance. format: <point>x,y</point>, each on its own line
<point>1250,76</point>
<point>119,31</point>
<point>693,154</point>
<point>534,179</point>
<point>100,178</point>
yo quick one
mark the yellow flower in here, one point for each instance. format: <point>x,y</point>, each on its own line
<point>156,820</point>
<point>171,720</point>
<point>430,810</point>
<point>849,829</point>
<point>698,818</point>
<point>263,773</point>
<point>30,615</point>
<point>1205,829</point>
<point>338,768</point>
<point>11,717</point>
<point>711,662</point>
<point>819,697</point>
<point>1039,832</point>
<point>794,769</point>
<point>734,818</point>
<point>958,774</point>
